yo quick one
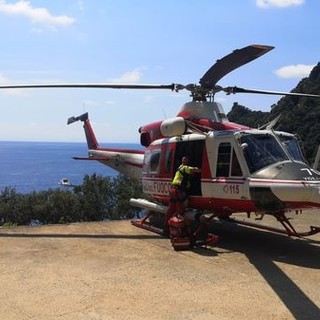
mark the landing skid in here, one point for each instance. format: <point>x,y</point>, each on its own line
<point>193,240</point>
<point>145,224</point>
<point>290,231</point>
<point>288,228</point>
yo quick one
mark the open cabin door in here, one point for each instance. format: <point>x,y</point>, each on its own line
<point>194,150</point>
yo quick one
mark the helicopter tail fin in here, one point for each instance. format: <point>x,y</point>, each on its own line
<point>90,136</point>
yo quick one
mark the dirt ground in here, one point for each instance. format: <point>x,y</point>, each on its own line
<point>113,270</point>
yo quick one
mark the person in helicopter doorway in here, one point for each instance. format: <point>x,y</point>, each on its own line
<point>179,189</point>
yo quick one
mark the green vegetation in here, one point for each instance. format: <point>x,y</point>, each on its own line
<point>247,117</point>
<point>299,115</point>
<point>98,198</point>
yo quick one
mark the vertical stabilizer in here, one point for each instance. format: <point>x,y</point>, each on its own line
<point>90,136</point>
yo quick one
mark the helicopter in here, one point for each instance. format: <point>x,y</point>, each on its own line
<point>243,169</point>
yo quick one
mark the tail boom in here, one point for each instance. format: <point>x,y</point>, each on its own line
<point>126,161</point>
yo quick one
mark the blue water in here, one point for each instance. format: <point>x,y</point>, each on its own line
<point>35,166</point>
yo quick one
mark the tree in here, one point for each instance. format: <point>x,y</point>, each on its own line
<point>247,117</point>
<point>11,206</point>
<point>95,198</point>
<point>125,188</point>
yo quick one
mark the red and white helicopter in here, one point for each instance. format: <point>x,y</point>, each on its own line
<point>242,169</point>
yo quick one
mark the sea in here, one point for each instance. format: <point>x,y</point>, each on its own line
<point>37,166</point>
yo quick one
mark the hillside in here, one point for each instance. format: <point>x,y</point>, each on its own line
<point>299,115</point>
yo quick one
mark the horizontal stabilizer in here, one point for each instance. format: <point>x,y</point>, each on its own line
<point>92,158</point>
<point>83,158</point>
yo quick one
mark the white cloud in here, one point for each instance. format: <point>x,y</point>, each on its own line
<point>278,3</point>
<point>36,15</point>
<point>129,77</point>
<point>295,71</point>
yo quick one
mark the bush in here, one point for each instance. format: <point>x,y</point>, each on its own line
<point>125,188</point>
<point>95,198</point>
<point>98,198</point>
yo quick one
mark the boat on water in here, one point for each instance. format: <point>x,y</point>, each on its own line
<point>65,182</point>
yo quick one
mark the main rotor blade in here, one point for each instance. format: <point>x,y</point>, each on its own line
<point>88,85</point>
<point>231,62</point>
<point>230,90</point>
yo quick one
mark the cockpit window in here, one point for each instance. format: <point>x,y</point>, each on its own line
<point>292,146</point>
<point>261,150</point>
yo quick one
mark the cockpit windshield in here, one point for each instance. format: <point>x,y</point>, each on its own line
<point>292,146</point>
<point>261,150</point>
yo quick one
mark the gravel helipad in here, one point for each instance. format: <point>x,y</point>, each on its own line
<point>113,270</point>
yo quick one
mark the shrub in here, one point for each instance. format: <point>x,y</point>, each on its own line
<point>96,199</point>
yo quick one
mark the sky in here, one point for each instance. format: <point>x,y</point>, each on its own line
<point>141,41</point>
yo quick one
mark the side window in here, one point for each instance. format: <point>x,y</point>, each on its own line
<point>223,160</point>
<point>146,161</point>
<point>151,162</point>
<point>154,161</point>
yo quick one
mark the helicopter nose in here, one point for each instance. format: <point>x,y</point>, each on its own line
<point>288,171</point>
<point>279,195</point>
<point>292,186</point>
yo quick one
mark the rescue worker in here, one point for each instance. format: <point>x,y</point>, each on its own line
<point>179,188</point>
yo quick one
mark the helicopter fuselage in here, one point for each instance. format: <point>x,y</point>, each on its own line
<point>242,171</point>
<point>247,170</point>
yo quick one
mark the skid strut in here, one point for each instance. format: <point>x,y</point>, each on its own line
<point>145,224</point>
